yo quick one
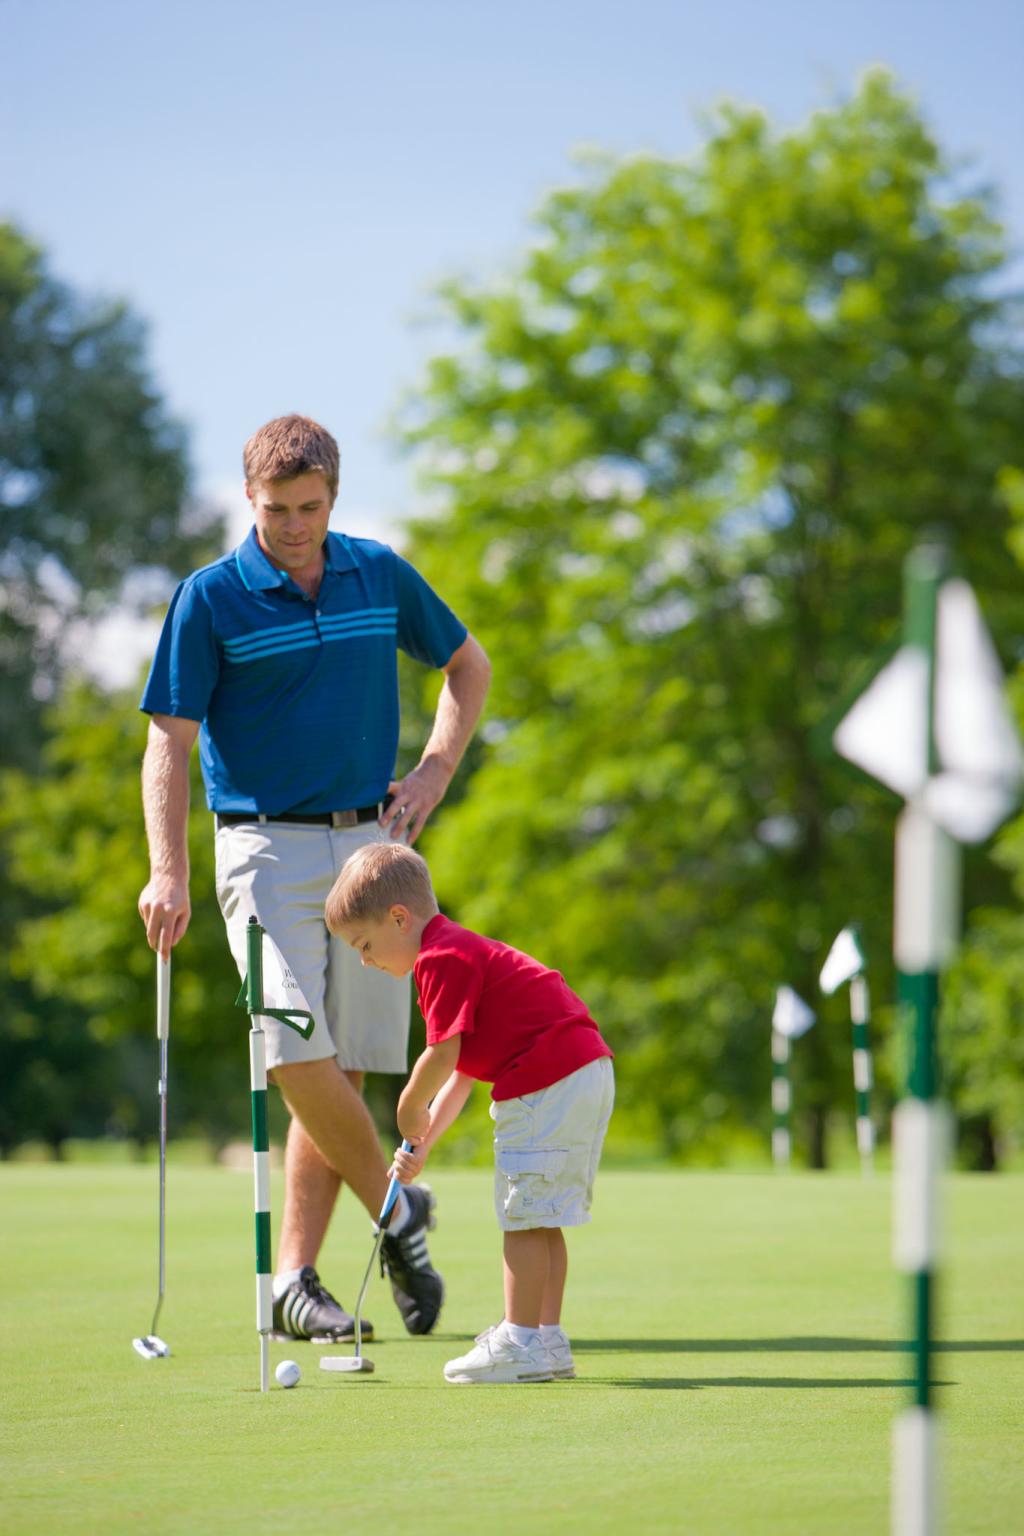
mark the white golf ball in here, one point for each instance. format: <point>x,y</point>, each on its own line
<point>288,1373</point>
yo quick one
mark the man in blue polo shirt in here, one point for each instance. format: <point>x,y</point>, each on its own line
<point>281,658</point>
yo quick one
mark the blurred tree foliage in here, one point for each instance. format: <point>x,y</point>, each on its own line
<point>676,460</point>
<point>94,509</point>
<point>76,842</point>
<point>674,463</point>
<point>982,1038</point>
<point>93,478</point>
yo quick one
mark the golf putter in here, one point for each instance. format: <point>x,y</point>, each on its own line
<point>151,1346</point>
<point>358,1363</point>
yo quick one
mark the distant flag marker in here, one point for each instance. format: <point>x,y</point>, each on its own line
<point>791,1018</point>
<point>846,962</point>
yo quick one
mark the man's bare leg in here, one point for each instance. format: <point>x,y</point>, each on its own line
<point>332,1139</point>
<point>311,1189</point>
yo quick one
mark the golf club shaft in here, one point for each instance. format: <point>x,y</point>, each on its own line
<point>385,1212</point>
<point>362,1290</point>
<point>163,1029</point>
<point>163,1182</point>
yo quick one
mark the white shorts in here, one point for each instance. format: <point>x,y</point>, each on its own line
<point>282,874</point>
<point>547,1146</point>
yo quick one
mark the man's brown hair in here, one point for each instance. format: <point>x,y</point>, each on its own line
<point>376,878</point>
<point>290,446</point>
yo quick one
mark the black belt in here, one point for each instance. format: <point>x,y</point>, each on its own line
<point>354,818</point>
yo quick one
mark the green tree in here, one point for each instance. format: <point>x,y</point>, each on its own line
<point>94,510</point>
<point>93,479</point>
<point>79,1058</point>
<point>77,846</point>
<point>981,1040</point>
<point>676,463</point>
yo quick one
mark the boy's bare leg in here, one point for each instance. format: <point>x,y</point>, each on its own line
<point>558,1268</point>
<point>328,1113</point>
<point>527,1266</point>
<point>311,1189</point>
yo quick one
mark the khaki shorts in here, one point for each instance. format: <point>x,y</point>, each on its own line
<point>282,874</point>
<point>547,1146</point>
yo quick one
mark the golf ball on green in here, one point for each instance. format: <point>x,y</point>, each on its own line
<point>288,1373</point>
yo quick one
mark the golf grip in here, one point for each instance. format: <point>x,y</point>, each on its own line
<point>392,1194</point>
<point>163,996</point>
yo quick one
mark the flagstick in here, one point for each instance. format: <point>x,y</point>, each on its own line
<point>927,890</point>
<point>791,1018</point>
<point>938,733</point>
<point>287,1004</point>
<point>846,962</point>
<point>860,1013</point>
<point>260,1145</point>
<point>927,870</point>
<point>781,1101</point>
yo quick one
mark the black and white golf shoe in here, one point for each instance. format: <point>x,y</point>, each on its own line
<point>415,1284</point>
<point>307,1310</point>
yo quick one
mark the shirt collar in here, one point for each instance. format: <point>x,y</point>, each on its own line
<point>434,928</point>
<point>338,553</point>
<point>259,575</point>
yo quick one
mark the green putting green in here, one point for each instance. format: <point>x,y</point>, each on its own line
<point>736,1339</point>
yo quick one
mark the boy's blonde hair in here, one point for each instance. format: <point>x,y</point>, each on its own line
<point>290,446</point>
<point>375,879</point>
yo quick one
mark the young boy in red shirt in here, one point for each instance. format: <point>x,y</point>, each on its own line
<point>498,1016</point>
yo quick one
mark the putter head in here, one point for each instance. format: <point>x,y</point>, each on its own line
<point>151,1347</point>
<point>347,1364</point>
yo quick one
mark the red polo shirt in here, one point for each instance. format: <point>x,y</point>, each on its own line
<point>522,1028</point>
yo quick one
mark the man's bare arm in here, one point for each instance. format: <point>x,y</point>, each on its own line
<point>467,678</point>
<point>164,904</point>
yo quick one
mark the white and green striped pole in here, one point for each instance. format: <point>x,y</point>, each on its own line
<point>927,888</point>
<point>269,989</point>
<point>933,725</point>
<point>863,1074</point>
<point>925,927</point>
<point>782,1101</point>
<point>260,1145</point>
<point>791,1018</point>
<point>846,963</point>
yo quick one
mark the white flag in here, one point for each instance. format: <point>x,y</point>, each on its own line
<point>979,750</point>
<point>980,762</point>
<point>886,731</point>
<point>791,1016</point>
<point>845,960</point>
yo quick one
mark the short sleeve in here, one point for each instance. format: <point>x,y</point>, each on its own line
<point>449,987</point>
<point>428,630</point>
<point>187,661</point>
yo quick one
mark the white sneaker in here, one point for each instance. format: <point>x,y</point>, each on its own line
<point>559,1354</point>
<point>494,1357</point>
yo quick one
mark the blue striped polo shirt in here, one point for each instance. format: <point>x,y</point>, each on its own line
<point>297,699</point>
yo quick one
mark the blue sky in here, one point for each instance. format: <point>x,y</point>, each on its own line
<point>275,188</point>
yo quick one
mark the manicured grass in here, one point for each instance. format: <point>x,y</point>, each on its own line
<point>736,1338</point>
